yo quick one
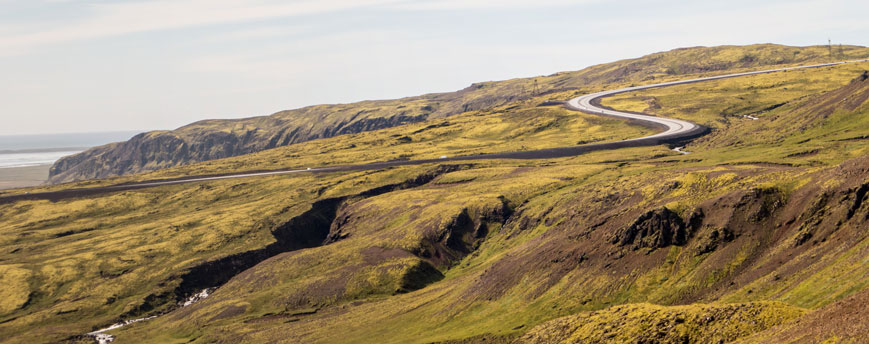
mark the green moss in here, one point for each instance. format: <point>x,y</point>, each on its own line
<point>646,323</point>
<point>544,254</point>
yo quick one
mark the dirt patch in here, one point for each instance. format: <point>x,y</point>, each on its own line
<point>482,339</point>
<point>229,312</point>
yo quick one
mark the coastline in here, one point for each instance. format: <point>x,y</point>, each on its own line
<point>19,177</point>
<point>26,159</point>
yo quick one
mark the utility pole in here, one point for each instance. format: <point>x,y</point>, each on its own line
<point>830,46</point>
<point>535,87</point>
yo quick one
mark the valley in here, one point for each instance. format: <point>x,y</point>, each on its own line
<point>758,235</point>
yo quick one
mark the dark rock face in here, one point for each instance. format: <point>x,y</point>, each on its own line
<point>207,140</point>
<point>655,229</point>
<point>320,225</point>
<point>716,237</point>
<point>445,245</point>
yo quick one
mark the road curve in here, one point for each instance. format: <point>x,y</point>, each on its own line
<point>674,130</point>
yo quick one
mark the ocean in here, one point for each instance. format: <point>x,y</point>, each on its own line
<point>36,150</point>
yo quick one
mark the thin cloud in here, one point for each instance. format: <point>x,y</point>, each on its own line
<point>426,5</point>
<point>115,19</point>
<point>110,19</point>
<point>264,32</point>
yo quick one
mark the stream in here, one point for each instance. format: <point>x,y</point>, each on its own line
<point>101,337</point>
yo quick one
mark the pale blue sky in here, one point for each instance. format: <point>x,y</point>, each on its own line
<point>79,66</point>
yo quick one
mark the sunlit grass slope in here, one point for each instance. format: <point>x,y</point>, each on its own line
<point>645,323</point>
<point>764,221</point>
<point>519,277</point>
<point>84,262</point>
<point>215,139</point>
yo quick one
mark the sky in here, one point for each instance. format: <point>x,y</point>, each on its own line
<point>107,65</point>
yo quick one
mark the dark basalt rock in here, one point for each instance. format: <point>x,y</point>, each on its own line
<point>715,238</point>
<point>655,229</point>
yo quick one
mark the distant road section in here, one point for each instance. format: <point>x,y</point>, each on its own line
<point>674,130</point>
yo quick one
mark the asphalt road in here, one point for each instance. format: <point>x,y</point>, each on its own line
<point>674,130</point>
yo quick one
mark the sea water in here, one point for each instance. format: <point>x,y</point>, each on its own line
<point>10,159</point>
<point>35,150</point>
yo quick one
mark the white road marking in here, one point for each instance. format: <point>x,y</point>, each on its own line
<point>674,126</point>
<point>581,103</point>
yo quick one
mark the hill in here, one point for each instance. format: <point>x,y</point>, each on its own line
<point>757,235</point>
<point>215,139</point>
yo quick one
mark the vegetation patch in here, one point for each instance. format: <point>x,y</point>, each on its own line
<point>762,221</point>
<point>646,323</point>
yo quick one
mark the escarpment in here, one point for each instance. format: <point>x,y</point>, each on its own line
<point>209,140</point>
<point>215,139</point>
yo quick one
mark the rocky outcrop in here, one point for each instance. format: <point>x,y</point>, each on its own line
<point>657,228</point>
<point>323,224</point>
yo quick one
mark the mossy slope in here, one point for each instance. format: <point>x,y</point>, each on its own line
<point>215,139</point>
<point>761,212</point>
<point>645,323</point>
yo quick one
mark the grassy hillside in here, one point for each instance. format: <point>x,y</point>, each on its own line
<point>215,139</point>
<point>760,229</point>
<point>644,323</point>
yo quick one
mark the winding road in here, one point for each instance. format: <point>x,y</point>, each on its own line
<point>674,130</point>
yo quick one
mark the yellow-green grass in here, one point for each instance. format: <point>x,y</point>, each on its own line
<point>699,323</point>
<point>80,263</point>
<point>505,129</point>
<point>453,307</point>
<point>216,138</point>
<point>84,262</point>
<point>464,134</point>
<point>785,134</point>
